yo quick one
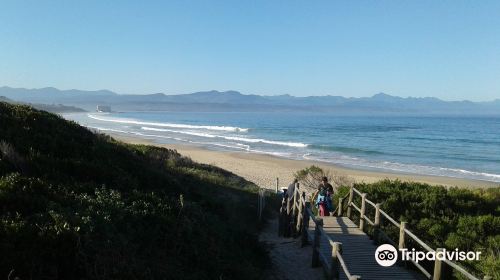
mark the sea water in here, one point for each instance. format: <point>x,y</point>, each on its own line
<point>461,147</point>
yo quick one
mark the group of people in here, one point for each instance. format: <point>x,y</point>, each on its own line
<point>324,199</point>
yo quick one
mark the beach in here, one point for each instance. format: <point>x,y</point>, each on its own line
<point>263,169</point>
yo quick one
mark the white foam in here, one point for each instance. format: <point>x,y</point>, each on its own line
<point>306,156</point>
<point>253,140</point>
<point>172,125</point>
<point>136,133</point>
<point>277,154</point>
<point>407,168</point>
<point>233,138</point>
<point>495,177</point>
<point>229,146</point>
<point>181,132</point>
<point>247,147</point>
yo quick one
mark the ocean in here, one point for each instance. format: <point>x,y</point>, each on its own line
<point>460,147</point>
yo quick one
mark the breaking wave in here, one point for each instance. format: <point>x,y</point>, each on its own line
<point>172,125</point>
<point>233,138</point>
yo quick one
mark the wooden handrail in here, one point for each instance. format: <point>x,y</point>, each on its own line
<point>298,213</point>
<point>319,231</point>
<point>369,221</point>
<point>356,191</point>
<point>356,207</point>
<point>370,202</point>
<point>403,231</point>
<point>389,218</point>
<point>338,209</point>
<point>461,269</point>
<point>346,270</point>
<point>420,242</point>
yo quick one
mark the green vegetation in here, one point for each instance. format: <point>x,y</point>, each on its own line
<point>310,177</point>
<point>467,219</point>
<point>79,205</point>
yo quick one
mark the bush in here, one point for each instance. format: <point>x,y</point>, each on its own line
<point>91,207</point>
<point>467,219</point>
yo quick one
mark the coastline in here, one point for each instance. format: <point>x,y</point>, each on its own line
<point>263,169</point>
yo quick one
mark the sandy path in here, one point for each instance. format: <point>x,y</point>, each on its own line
<point>290,261</point>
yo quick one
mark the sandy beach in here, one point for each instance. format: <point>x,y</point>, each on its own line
<point>263,169</point>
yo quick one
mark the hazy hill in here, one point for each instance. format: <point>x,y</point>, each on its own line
<point>5,99</point>
<point>56,108</point>
<point>53,108</point>
<point>235,101</point>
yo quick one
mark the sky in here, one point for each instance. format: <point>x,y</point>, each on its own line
<point>444,49</point>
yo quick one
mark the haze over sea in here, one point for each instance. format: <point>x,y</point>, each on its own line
<point>461,147</point>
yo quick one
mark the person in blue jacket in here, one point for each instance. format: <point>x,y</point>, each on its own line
<point>325,197</point>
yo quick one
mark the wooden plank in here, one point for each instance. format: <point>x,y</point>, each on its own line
<point>358,250</point>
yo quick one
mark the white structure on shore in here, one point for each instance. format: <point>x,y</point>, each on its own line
<point>103,109</point>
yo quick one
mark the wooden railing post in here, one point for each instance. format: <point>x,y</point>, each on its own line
<point>305,224</point>
<point>287,232</point>
<point>402,235</point>
<point>335,265</point>
<point>349,202</point>
<point>295,192</point>
<point>362,214</point>
<point>293,219</point>
<point>277,184</point>
<point>288,205</point>
<point>437,266</point>
<point>300,215</point>
<point>376,224</point>
<point>317,239</point>
<point>339,212</point>
<point>260,205</point>
<point>282,217</point>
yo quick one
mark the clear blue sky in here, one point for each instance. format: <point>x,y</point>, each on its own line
<point>446,49</point>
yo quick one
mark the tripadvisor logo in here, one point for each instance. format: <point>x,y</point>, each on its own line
<point>387,255</point>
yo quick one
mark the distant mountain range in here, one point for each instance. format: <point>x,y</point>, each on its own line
<point>380,103</point>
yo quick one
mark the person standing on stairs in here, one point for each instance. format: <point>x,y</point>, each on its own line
<point>324,202</point>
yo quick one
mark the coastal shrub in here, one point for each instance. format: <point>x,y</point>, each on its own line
<point>310,177</point>
<point>91,207</point>
<point>341,180</point>
<point>467,219</point>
